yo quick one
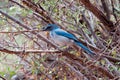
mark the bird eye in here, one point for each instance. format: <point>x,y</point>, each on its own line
<point>48,27</point>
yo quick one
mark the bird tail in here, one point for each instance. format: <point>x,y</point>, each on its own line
<point>84,48</point>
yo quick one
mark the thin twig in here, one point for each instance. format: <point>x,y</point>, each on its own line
<point>2,78</point>
<point>81,76</point>
<point>6,32</point>
<point>28,51</point>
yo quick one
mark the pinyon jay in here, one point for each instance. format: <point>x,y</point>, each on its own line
<point>62,37</point>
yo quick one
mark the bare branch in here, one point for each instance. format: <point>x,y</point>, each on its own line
<point>107,23</point>
<point>2,78</point>
<point>12,32</point>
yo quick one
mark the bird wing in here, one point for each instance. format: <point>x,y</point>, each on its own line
<point>65,34</point>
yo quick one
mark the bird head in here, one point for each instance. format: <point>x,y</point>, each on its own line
<point>50,27</point>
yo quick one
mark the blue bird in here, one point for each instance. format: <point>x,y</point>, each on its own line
<point>62,37</point>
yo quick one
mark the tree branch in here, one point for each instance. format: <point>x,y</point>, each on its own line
<point>99,14</point>
<point>28,51</point>
<point>28,28</point>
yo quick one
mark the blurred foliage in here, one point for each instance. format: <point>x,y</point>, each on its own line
<point>50,66</point>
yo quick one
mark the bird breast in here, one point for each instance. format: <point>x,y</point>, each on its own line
<point>61,40</point>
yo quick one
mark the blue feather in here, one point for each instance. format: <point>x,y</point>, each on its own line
<point>84,47</point>
<point>65,34</point>
<point>55,31</point>
<point>72,37</point>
